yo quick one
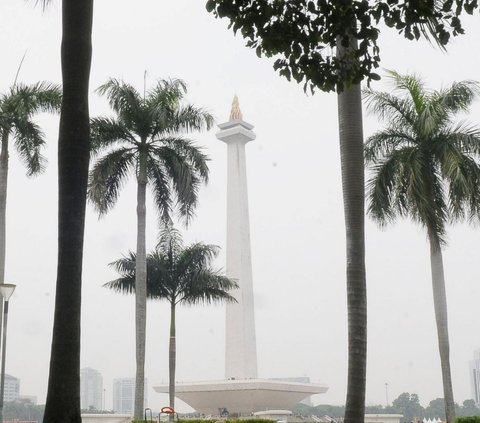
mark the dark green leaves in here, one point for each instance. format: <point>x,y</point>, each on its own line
<point>304,33</point>
<point>17,107</point>
<point>176,273</point>
<point>423,166</point>
<point>148,128</point>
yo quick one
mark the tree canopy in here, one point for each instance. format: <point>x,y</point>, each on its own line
<point>302,34</point>
<point>406,404</point>
<point>18,106</point>
<point>425,164</point>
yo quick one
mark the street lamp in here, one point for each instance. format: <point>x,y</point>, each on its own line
<point>386,392</point>
<point>6,291</point>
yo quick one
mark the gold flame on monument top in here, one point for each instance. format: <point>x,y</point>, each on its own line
<point>236,113</point>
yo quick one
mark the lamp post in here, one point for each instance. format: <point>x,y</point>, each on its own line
<point>386,392</point>
<point>6,291</point>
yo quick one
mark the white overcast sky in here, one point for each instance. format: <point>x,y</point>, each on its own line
<point>296,217</point>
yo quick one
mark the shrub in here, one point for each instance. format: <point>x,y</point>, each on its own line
<point>246,420</point>
<point>468,419</point>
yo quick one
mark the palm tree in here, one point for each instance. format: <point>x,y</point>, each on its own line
<point>17,108</point>
<point>425,166</point>
<point>350,125</point>
<point>63,395</point>
<point>180,275</point>
<point>144,139</point>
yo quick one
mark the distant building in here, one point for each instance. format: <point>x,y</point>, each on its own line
<point>11,388</point>
<point>124,395</point>
<point>91,389</point>
<point>475,376</point>
<point>30,398</point>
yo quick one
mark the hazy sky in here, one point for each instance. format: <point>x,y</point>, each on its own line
<point>296,216</point>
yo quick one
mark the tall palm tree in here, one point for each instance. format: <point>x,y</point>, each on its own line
<point>425,166</point>
<point>350,123</point>
<point>145,139</point>
<point>17,108</point>
<point>180,275</point>
<point>63,395</point>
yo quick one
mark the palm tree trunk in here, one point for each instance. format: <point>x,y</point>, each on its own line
<point>3,204</point>
<point>172,359</point>
<point>351,152</point>
<point>3,210</point>
<point>63,396</point>
<point>140,290</point>
<point>440,306</point>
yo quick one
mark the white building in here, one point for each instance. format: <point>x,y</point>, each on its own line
<point>11,388</point>
<point>383,418</point>
<point>91,389</point>
<point>31,398</point>
<point>124,395</point>
<point>475,376</point>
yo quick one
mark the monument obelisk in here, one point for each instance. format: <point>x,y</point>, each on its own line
<point>241,392</point>
<point>240,342</point>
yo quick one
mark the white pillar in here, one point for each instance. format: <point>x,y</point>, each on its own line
<point>240,341</point>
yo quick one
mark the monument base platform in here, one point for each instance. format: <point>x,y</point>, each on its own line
<point>243,396</point>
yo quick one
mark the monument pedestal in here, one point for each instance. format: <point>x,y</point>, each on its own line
<point>243,397</point>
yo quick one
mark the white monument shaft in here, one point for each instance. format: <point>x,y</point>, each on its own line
<point>241,392</point>
<point>240,341</point>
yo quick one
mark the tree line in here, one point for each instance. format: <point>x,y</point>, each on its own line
<point>406,404</point>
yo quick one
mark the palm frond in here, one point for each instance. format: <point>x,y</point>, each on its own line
<point>175,166</point>
<point>157,271</point>
<point>399,112</point>
<point>185,168</point>
<point>177,274</point>
<point>170,242</point>
<point>108,176</point>
<point>208,286</point>
<point>420,193</point>
<point>464,189</point>
<point>169,116</point>
<point>383,143</point>
<point>160,185</point>
<point>184,180</point>
<point>166,95</point>
<point>188,119</point>
<point>458,97</point>
<point>17,107</point>
<point>191,152</point>
<point>411,84</point>
<point>29,140</point>
<point>105,132</point>
<point>27,100</point>
<point>464,137</point>
<point>196,256</point>
<point>124,100</point>
<point>381,189</point>
<point>442,105</point>
<point>125,267</point>
<point>432,175</point>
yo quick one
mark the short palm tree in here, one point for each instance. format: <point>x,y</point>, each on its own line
<point>144,139</point>
<point>180,275</point>
<point>425,166</point>
<point>18,106</point>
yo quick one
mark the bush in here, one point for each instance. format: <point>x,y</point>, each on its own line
<point>247,420</point>
<point>468,419</point>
